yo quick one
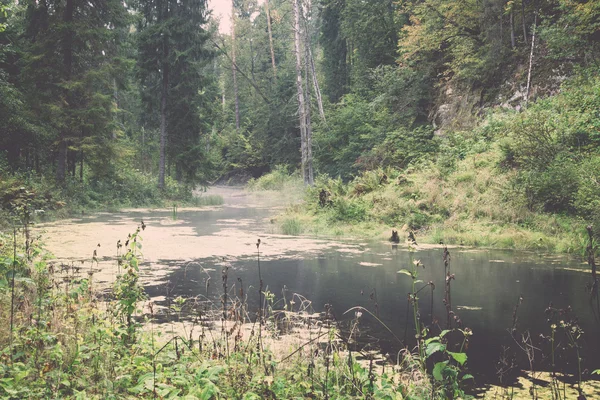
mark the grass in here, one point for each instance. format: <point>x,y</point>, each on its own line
<point>291,226</point>
<point>471,204</point>
<point>207,200</point>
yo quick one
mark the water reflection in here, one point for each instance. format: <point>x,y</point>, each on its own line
<point>484,293</point>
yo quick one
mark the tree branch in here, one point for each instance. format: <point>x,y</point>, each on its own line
<point>237,68</point>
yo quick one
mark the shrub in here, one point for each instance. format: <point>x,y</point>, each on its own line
<point>553,189</point>
<point>277,179</point>
<point>348,210</point>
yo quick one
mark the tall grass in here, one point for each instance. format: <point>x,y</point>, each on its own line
<point>471,203</point>
<point>207,200</point>
<point>291,226</point>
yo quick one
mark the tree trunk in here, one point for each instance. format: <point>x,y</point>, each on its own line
<point>81,157</point>
<point>61,167</point>
<point>234,69</point>
<point>309,168</point>
<point>81,166</point>
<point>270,38</point>
<point>163,108</point>
<point>300,89</point>
<point>72,160</point>
<point>530,61</point>
<point>316,85</point>
<point>163,127</point>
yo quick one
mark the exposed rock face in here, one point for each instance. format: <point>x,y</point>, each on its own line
<point>458,107</point>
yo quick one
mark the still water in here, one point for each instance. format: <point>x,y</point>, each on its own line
<point>186,251</point>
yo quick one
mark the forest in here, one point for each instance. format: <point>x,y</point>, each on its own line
<point>451,122</point>
<point>111,103</point>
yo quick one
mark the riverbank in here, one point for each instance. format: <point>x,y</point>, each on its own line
<point>469,206</point>
<point>34,198</point>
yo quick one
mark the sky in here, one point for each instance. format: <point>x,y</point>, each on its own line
<point>222,9</point>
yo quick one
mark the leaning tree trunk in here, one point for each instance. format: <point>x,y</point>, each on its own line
<point>270,38</point>
<point>530,61</point>
<point>234,69</point>
<point>316,85</point>
<point>300,89</point>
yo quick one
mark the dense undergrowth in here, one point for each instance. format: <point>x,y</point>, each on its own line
<point>525,180</point>
<point>132,189</point>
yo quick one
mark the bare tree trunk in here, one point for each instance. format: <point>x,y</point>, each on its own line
<point>310,63</point>
<point>163,111</point>
<point>523,21</point>
<point>316,85</point>
<point>309,168</point>
<point>530,60</point>
<point>234,69</point>
<point>300,89</point>
<point>512,29</point>
<point>270,38</point>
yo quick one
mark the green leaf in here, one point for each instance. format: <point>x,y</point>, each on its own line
<point>460,358</point>
<point>438,369</point>
<point>432,339</point>
<point>209,391</point>
<point>597,372</point>
<point>405,272</point>
<point>434,347</point>
<point>467,376</point>
<point>444,332</point>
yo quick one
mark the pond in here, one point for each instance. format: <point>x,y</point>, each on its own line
<point>185,253</point>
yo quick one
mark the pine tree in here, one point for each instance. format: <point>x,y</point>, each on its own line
<point>68,76</point>
<point>173,57</point>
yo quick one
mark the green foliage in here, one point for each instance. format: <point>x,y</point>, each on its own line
<point>70,348</point>
<point>207,200</point>
<point>291,226</point>
<point>572,33</point>
<point>277,179</point>
<point>554,189</point>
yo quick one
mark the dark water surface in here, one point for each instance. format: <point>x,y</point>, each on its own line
<point>487,285</point>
